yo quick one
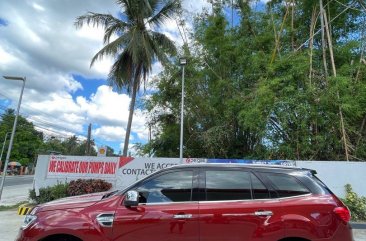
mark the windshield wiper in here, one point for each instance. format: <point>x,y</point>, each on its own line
<point>109,194</point>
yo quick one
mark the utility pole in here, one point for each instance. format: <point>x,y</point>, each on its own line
<point>13,131</point>
<point>88,142</point>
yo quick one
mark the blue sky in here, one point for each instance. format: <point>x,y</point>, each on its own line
<point>3,22</point>
<point>63,94</point>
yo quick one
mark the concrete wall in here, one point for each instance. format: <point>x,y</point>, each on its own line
<point>336,174</point>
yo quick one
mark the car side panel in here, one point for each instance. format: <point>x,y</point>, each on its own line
<point>64,222</point>
<point>157,222</point>
<point>312,217</point>
<point>237,221</point>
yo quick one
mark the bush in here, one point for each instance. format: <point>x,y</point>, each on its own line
<point>356,204</point>
<point>85,186</point>
<point>48,194</point>
<point>61,190</point>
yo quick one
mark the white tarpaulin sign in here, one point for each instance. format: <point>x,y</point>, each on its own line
<point>82,166</point>
<point>120,171</point>
<point>131,169</point>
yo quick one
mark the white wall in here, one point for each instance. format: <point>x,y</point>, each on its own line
<point>336,174</point>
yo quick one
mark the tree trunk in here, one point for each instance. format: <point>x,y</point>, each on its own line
<point>277,40</point>
<point>323,40</point>
<point>292,25</point>
<point>343,128</point>
<point>330,44</point>
<point>311,43</point>
<point>130,115</point>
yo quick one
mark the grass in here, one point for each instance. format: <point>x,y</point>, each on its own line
<point>12,207</point>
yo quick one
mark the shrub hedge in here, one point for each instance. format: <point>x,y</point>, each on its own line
<point>85,186</point>
<point>355,203</point>
<point>76,187</point>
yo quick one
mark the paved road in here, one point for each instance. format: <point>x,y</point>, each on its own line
<point>18,180</point>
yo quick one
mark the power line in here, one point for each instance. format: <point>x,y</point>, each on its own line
<point>344,5</point>
<point>44,125</point>
<point>317,32</point>
<point>43,122</point>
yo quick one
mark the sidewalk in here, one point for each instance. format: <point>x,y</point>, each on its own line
<point>10,223</point>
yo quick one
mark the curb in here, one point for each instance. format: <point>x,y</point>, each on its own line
<point>25,209</point>
<point>355,225</point>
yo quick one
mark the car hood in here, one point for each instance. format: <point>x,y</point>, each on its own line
<point>81,201</point>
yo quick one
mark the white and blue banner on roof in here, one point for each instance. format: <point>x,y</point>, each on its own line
<point>241,161</point>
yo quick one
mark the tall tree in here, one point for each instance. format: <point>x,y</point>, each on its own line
<point>238,105</point>
<point>27,139</point>
<point>137,45</point>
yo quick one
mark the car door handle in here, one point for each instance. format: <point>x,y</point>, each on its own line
<point>263,213</point>
<point>182,216</point>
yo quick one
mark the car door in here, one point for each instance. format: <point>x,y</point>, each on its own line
<point>167,210</point>
<point>237,207</point>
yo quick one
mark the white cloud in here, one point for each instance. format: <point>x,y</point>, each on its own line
<point>6,58</point>
<point>38,7</point>
<point>110,133</point>
<point>107,106</point>
<point>41,42</point>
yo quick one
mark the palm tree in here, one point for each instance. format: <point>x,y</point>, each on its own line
<point>137,45</point>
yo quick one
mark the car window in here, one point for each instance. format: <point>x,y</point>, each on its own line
<point>258,188</point>
<point>228,185</point>
<point>286,185</point>
<point>170,187</point>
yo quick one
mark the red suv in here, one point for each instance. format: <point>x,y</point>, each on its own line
<point>201,202</point>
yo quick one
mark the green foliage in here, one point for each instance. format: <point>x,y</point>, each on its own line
<point>76,187</point>
<point>48,194</point>
<point>85,186</point>
<point>70,146</point>
<point>356,204</point>
<point>26,140</point>
<point>252,94</point>
<point>137,46</point>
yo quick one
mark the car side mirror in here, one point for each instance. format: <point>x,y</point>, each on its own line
<point>131,199</point>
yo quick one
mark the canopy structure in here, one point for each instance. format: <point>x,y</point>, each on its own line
<point>14,164</point>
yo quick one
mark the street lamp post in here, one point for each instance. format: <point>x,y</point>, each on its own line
<point>2,150</point>
<point>182,62</point>
<point>13,131</point>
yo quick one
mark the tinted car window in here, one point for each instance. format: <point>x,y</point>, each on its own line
<point>286,185</point>
<point>227,185</point>
<point>170,187</point>
<point>258,189</point>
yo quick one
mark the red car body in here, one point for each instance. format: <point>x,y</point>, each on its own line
<point>315,216</point>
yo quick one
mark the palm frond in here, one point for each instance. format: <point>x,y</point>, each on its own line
<point>110,49</point>
<point>96,20</point>
<point>121,74</point>
<point>164,42</point>
<point>165,13</point>
<point>135,10</point>
<point>118,29</point>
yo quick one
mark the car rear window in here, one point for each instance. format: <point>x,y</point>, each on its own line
<point>228,185</point>
<point>287,185</point>
<point>233,185</point>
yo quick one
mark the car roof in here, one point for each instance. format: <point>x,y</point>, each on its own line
<point>269,167</point>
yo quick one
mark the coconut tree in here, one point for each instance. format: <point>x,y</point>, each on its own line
<point>136,46</point>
